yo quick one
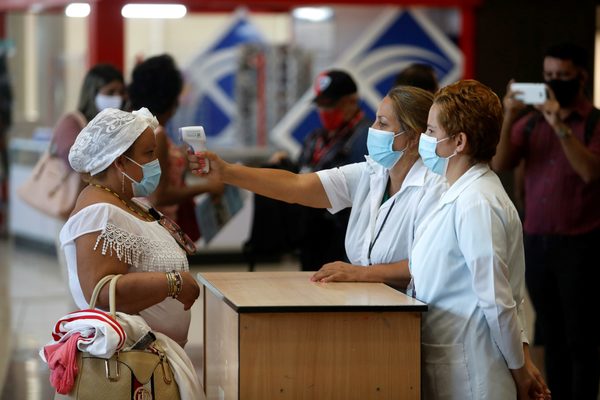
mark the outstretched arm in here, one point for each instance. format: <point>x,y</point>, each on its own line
<point>167,193</point>
<point>305,189</point>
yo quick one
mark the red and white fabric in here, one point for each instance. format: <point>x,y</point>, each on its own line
<point>100,334</point>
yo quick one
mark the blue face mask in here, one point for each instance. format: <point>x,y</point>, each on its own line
<point>427,147</point>
<point>149,182</point>
<point>379,144</point>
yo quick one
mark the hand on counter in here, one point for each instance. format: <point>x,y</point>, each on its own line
<point>338,271</point>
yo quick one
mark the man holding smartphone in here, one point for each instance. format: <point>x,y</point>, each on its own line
<point>559,141</point>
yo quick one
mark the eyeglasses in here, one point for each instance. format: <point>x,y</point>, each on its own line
<point>178,234</point>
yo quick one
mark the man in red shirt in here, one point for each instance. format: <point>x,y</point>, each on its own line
<point>560,144</point>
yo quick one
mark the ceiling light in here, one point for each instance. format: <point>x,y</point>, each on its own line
<point>313,14</point>
<point>77,10</point>
<point>153,11</point>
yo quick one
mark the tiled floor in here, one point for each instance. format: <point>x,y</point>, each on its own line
<point>33,295</point>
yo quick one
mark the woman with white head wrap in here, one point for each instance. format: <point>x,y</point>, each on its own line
<point>111,233</point>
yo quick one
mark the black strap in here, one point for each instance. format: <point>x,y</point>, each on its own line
<point>380,229</point>
<point>530,124</point>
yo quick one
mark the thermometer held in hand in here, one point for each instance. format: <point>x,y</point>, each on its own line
<point>195,138</point>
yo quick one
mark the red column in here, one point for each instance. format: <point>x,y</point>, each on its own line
<point>467,40</point>
<point>106,33</point>
<point>2,24</point>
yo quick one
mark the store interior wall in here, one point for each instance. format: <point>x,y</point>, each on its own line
<point>511,36</point>
<point>49,62</point>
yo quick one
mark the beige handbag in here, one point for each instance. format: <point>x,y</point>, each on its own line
<point>127,375</point>
<point>53,186</point>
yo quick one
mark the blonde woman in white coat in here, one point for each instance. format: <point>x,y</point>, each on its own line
<point>390,193</point>
<point>467,261</point>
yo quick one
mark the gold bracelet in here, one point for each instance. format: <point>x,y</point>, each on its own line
<point>170,284</point>
<point>178,283</point>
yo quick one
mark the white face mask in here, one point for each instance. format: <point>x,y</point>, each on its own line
<point>104,101</point>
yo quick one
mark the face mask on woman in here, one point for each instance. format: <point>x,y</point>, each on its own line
<point>379,144</point>
<point>427,147</point>
<point>104,101</point>
<point>150,179</point>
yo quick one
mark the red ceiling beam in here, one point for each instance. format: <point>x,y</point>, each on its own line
<point>258,5</point>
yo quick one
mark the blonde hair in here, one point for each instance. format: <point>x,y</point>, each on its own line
<point>411,106</point>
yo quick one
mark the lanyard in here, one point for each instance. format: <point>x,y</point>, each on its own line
<point>321,148</point>
<point>380,229</point>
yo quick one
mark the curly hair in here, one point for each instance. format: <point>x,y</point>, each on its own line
<point>470,107</point>
<point>155,84</point>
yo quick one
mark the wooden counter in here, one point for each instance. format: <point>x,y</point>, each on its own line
<point>276,335</point>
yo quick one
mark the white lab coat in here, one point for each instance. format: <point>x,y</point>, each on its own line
<point>468,265</point>
<point>361,186</point>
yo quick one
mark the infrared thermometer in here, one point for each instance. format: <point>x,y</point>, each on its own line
<point>195,137</point>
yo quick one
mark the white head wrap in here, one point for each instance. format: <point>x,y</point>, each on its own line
<point>106,137</point>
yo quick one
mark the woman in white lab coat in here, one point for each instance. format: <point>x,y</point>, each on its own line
<point>467,261</point>
<point>389,193</point>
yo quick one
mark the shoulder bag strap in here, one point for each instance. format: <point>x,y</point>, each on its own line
<point>111,295</point>
<point>82,121</point>
<point>80,118</point>
<point>530,124</point>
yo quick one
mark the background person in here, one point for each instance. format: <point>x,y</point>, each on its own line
<point>341,140</point>
<point>560,144</point>
<point>388,194</point>
<point>103,87</point>
<point>467,261</point>
<point>110,233</point>
<point>419,75</point>
<point>156,84</point>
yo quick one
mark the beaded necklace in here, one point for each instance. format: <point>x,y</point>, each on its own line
<point>145,215</point>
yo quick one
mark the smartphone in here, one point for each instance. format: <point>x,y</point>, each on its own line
<point>530,93</point>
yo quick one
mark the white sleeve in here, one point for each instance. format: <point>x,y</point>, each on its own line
<point>89,219</point>
<point>482,241</point>
<point>340,185</point>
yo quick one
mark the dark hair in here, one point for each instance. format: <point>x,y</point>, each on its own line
<point>418,75</point>
<point>155,84</point>
<point>97,77</point>
<point>569,51</point>
<point>472,108</point>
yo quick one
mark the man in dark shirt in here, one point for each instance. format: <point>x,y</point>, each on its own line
<point>341,140</point>
<point>560,143</point>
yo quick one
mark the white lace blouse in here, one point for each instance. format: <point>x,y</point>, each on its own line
<point>145,246</point>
